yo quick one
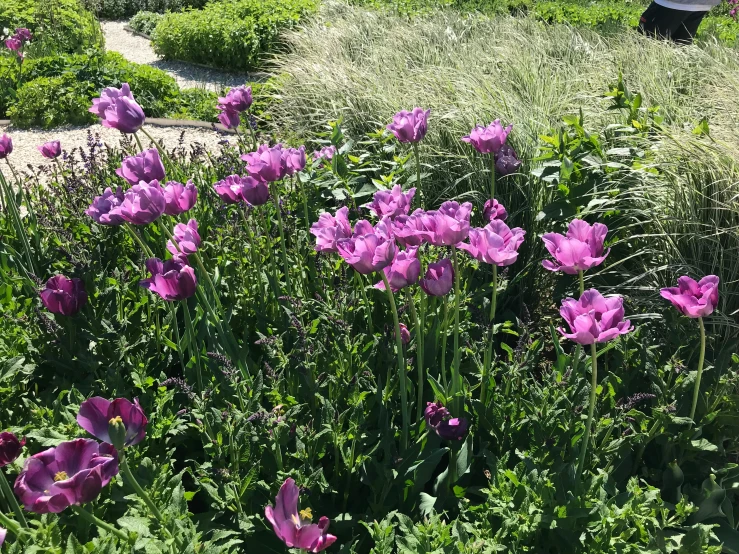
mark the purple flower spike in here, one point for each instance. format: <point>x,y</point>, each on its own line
<point>579,250</point>
<point>96,415</point>
<point>63,296</point>
<point>593,318</point>
<point>145,166</point>
<point>693,299</point>
<point>410,126</point>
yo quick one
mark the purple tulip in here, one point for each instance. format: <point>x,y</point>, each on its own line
<point>506,160</point>
<point>693,299</point>
<point>439,278</point>
<point>63,296</point>
<point>142,203</point>
<point>172,280</point>
<point>405,334</point>
<point>391,203</point>
<point>254,191</point>
<point>10,448</point>
<point>293,527</point>
<point>325,153</point>
<point>187,238</point>
<point>13,44</point>
<point>118,109</point>
<point>144,166</point>
<point>103,208</point>
<point>51,149</point>
<point>229,189</point>
<point>266,163</point>
<point>228,117</point>
<point>448,225</point>
<point>488,139</point>
<point>411,230</point>
<point>593,318</point>
<point>440,420</point>
<point>238,99</point>
<point>179,198</point>
<point>21,33</point>
<point>369,249</point>
<point>6,146</point>
<point>329,229</point>
<point>410,126</point>
<point>72,473</point>
<point>579,250</point>
<point>495,243</point>
<point>494,210</point>
<point>404,271</point>
<point>97,414</point>
<point>294,160</point>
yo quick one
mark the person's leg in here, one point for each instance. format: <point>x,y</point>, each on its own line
<point>688,28</point>
<point>661,22</point>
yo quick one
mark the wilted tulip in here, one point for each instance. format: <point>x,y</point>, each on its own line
<point>70,474</point>
<point>693,299</point>
<point>410,126</point>
<point>118,109</point>
<point>488,139</point>
<point>403,271</point>
<point>294,160</point>
<point>142,203</point>
<point>238,99</point>
<point>51,149</point>
<point>144,166</point>
<point>97,415</point>
<point>506,160</point>
<point>266,163</point>
<point>440,420</point>
<point>294,528</point>
<point>329,229</point>
<point>10,448</point>
<point>6,146</point>
<point>579,250</point>
<point>64,296</point>
<point>179,198</point>
<point>172,280</point>
<point>102,210</point>
<point>494,210</point>
<point>593,318</point>
<point>254,191</point>
<point>439,278</point>
<point>448,225</point>
<point>495,243</point>
<point>187,238</point>
<point>369,249</point>
<point>229,189</point>
<point>391,203</point>
<point>325,153</point>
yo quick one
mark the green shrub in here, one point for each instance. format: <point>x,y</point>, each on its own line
<point>145,22</point>
<point>51,101</point>
<point>196,103</point>
<point>117,9</point>
<point>233,34</point>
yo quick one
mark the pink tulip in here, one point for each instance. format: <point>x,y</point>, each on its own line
<point>292,529</point>
<point>23,34</point>
<point>495,243</point>
<point>172,280</point>
<point>266,163</point>
<point>144,166</point>
<point>13,44</point>
<point>369,249</point>
<point>179,198</point>
<point>411,230</point>
<point>405,334</point>
<point>449,225</point>
<point>693,299</point>
<point>439,278</point>
<point>410,126</point>
<point>391,203</point>
<point>404,271</point>
<point>579,250</point>
<point>187,238</point>
<point>118,109</point>
<point>329,229</point>
<point>6,146</point>
<point>294,160</point>
<point>494,210</point>
<point>238,99</point>
<point>229,189</point>
<point>142,204</point>
<point>51,149</point>
<point>488,139</point>
<point>593,318</point>
<point>325,153</point>
<point>103,208</point>
<point>64,296</point>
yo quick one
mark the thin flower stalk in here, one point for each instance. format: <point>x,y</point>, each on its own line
<point>401,362</point>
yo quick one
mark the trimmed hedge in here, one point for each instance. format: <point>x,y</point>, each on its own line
<point>231,34</point>
<point>118,9</point>
<point>145,22</point>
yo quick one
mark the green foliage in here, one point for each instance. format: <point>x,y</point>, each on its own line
<point>118,9</point>
<point>145,22</point>
<point>232,34</point>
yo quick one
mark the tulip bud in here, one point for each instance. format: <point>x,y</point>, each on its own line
<point>117,432</point>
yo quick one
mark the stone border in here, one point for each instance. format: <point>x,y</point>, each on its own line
<point>161,122</point>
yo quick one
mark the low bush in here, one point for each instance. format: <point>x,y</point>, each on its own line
<point>118,9</point>
<point>145,22</point>
<point>232,34</point>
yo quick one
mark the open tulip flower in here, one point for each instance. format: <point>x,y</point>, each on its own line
<point>187,238</point>
<point>329,229</point>
<point>439,278</point>
<point>229,189</point>
<point>144,166</point>
<point>488,139</point>
<point>441,421</point>
<point>593,318</point>
<point>6,146</point>
<point>64,296</point>
<point>142,204</point>
<point>294,160</point>
<point>96,415</point>
<point>295,528</point>
<point>691,298</point>
<point>179,198</point>
<point>494,210</point>
<point>410,126</point>
<point>369,249</point>
<point>118,109</point>
<point>51,149</point>
<point>414,229</point>
<point>579,250</point>
<point>449,225</point>
<point>266,163</point>
<point>391,203</point>
<point>495,243</point>
<point>404,271</point>
<point>10,448</point>
<point>103,208</point>
<point>72,473</point>
<point>173,279</point>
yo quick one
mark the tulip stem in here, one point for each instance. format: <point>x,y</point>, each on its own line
<point>283,248</point>
<point>270,257</point>
<point>444,333</point>
<point>251,131</point>
<point>401,363</point>
<point>416,151</point>
<point>456,361</point>
<point>591,409</point>
<point>701,359</point>
<point>138,141</point>
<point>492,176</point>
<point>578,348</point>
<point>419,354</point>
<point>305,202</point>
<point>12,500</point>
<point>489,354</point>
<point>360,283</point>
<point>128,475</point>
<point>194,351</point>
<point>138,239</point>
<point>90,518</point>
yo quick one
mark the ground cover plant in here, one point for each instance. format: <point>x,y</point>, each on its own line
<point>491,324</point>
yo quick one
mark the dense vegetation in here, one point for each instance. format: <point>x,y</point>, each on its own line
<point>118,9</point>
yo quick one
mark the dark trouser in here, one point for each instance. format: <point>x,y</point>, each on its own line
<point>677,25</point>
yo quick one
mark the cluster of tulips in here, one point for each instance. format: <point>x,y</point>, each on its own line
<point>18,41</point>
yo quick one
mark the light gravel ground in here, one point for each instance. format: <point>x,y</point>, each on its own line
<point>139,50</point>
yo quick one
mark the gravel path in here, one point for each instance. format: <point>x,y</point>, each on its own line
<point>138,49</point>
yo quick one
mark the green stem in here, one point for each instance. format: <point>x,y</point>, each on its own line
<point>138,141</point>
<point>138,239</point>
<point>94,520</point>
<point>418,173</point>
<point>492,176</point>
<point>251,131</point>
<point>360,284</point>
<point>491,340</point>
<point>173,310</point>
<point>162,153</point>
<point>591,410</point>
<point>401,363</point>
<point>128,475</point>
<point>194,351</point>
<point>419,354</point>
<point>582,281</point>
<point>456,379</point>
<point>444,333</point>
<point>701,359</point>
<point>18,223</point>
<point>270,257</point>
<point>305,202</point>
<point>9,524</point>
<point>283,248</point>
<point>578,348</point>
<point>12,500</point>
